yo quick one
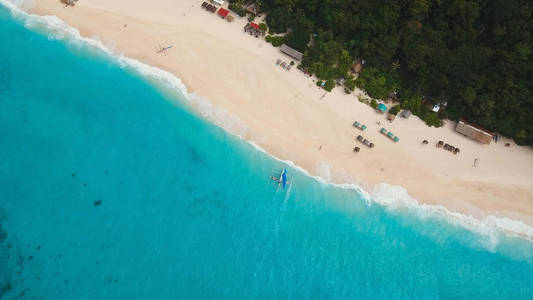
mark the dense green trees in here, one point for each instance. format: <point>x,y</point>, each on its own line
<point>474,54</point>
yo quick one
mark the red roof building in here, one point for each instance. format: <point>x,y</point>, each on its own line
<point>254,25</point>
<point>223,12</point>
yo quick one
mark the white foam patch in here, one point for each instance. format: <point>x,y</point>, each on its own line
<point>392,197</point>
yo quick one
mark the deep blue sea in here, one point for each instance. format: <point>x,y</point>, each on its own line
<point>111,187</point>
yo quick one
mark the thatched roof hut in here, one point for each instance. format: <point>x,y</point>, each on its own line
<point>474,132</point>
<point>229,18</point>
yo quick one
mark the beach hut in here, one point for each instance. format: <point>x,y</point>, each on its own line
<point>252,9</point>
<point>382,107</point>
<point>474,132</point>
<point>291,52</point>
<point>223,12</point>
<point>357,66</point>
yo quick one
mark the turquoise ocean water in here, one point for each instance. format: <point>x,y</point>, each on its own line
<point>111,188</point>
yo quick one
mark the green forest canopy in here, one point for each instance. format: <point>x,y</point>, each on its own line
<point>474,55</point>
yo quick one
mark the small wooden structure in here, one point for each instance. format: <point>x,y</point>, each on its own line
<point>406,113</point>
<point>229,18</point>
<point>252,9</point>
<point>291,52</point>
<point>357,66</point>
<point>476,133</point>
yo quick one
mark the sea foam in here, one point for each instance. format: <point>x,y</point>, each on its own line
<point>390,196</point>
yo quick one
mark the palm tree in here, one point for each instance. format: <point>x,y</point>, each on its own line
<point>396,65</point>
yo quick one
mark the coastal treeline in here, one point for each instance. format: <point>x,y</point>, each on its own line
<point>475,56</point>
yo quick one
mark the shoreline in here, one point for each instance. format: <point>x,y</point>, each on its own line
<point>490,196</point>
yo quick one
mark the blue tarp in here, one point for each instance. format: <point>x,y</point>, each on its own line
<point>382,107</point>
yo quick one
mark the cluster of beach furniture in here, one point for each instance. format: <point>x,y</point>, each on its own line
<point>209,7</point>
<point>284,65</point>
<point>253,29</point>
<point>222,12</point>
<point>448,147</point>
<point>390,135</point>
<point>69,2</point>
<point>360,138</point>
<point>365,142</point>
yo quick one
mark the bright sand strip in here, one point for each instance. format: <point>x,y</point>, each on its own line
<point>285,113</point>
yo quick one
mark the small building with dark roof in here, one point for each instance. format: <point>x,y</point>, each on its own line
<point>291,52</point>
<point>474,132</point>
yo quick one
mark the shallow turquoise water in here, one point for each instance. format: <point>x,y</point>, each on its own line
<point>112,189</point>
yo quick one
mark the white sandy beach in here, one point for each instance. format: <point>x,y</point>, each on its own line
<point>285,114</point>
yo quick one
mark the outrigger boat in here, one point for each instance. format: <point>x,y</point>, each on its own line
<point>282,179</point>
